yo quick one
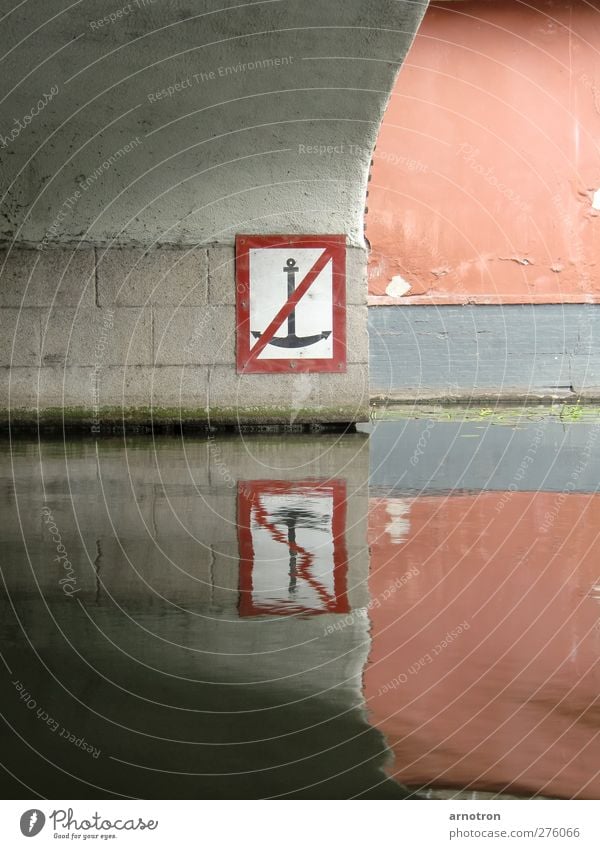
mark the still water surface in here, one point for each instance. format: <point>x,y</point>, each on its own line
<point>366,615</point>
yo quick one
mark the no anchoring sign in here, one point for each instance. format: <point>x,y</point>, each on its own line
<point>291,303</point>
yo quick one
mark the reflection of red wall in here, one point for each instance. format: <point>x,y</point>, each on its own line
<point>513,702</point>
<point>487,159</point>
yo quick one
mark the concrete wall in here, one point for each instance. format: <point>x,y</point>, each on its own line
<point>486,172</point>
<point>483,192</point>
<point>153,123</point>
<point>225,153</point>
<point>477,352</point>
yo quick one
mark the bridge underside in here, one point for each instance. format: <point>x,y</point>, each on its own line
<point>136,142</point>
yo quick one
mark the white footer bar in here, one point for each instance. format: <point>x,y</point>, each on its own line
<point>302,824</point>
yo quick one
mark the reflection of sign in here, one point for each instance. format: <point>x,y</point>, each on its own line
<point>292,547</point>
<point>291,303</point>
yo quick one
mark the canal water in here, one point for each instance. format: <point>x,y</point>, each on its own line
<point>410,609</point>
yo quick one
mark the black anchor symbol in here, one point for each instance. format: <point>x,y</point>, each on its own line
<point>291,340</point>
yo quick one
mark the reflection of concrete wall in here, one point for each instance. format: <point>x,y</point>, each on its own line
<point>160,519</point>
<point>429,454</point>
<point>152,534</point>
<point>194,709</point>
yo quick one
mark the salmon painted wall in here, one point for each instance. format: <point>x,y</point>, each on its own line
<point>485,184</point>
<point>484,669</point>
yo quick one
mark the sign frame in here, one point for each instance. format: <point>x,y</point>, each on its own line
<point>246,356</point>
<point>248,493</point>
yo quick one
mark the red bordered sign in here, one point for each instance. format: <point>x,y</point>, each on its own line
<point>292,542</point>
<point>291,304</point>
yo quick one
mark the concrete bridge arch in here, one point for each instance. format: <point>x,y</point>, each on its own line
<point>137,139</point>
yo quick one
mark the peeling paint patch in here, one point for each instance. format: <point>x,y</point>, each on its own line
<point>596,200</point>
<point>520,260</point>
<point>397,287</point>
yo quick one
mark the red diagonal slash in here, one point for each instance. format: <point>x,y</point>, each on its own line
<point>286,309</point>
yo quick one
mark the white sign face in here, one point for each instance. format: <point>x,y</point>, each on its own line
<point>274,275</point>
<point>291,311</point>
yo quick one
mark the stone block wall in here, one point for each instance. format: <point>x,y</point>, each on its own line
<point>92,335</point>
